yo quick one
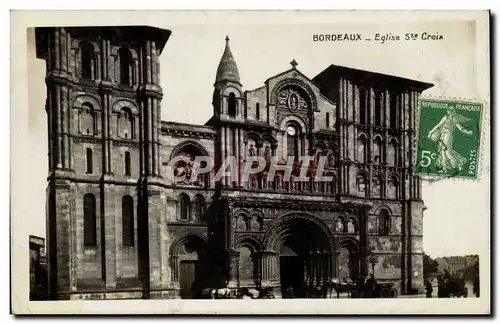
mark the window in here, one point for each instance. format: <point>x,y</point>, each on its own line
<point>383,223</point>
<point>126,124</point>
<point>393,156</point>
<point>89,220</point>
<point>363,107</point>
<point>377,186</point>
<point>257,111</point>
<point>199,207</point>
<point>393,187</point>
<point>87,53</point>
<point>393,111</point>
<point>127,163</point>
<point>292,141</point>
<point>361,185</point>
<point>128,221</point>
<point>377,150</point>
<point>90,164</point>
<point>327,120</point>
<point>185,207</point>
<point>231,104</point>
<point>378,109</point>
<point>362,149</point>
<point>125,64</point>
<point>87,119</point>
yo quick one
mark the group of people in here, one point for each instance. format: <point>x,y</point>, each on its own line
<point>448,286</point>
<point>366,286</point>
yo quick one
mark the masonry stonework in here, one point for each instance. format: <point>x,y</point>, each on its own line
<point>120,223</point>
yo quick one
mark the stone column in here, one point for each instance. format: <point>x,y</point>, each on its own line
<point>236,154</point>
<point>174,268</point>
<point>233,268</point>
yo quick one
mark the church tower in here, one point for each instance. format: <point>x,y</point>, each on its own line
<point>229,112</point>
<point>227,100</point>
<point>104,124</point>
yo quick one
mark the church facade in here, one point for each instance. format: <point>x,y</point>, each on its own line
<point>120,226</point>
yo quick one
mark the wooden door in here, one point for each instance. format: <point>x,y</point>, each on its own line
<point>188,279</point>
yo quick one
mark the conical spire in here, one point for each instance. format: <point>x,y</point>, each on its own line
<point>227,70</point>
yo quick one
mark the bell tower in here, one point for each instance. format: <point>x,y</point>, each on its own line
<point>104,123</point>
<point>228,95</point>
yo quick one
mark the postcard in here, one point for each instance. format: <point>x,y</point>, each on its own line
<point>250,162</point>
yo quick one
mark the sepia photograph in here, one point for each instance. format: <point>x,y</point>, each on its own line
<point>337,158</point>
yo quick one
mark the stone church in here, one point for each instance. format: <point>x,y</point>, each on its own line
<point>119,227</point>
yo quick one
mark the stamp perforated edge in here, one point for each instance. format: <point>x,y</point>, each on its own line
<point>484,123</point>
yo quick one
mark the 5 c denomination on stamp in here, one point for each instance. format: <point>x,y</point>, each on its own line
<point>449,138</point>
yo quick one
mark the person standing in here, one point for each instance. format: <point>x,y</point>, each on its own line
<point>441,287</point>
<point>476,286</point>
<point>428,288</point>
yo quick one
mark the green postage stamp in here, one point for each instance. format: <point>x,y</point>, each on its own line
<point>449,138</point>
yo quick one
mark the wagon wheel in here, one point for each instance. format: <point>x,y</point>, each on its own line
<point>385,292</point>
<point>394,293</point>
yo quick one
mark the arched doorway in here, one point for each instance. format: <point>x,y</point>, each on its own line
<point>304,246</point>
<point>187,255</point>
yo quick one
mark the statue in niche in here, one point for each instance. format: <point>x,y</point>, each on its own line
<point>279,182</point>
<point>240,223</point>
<point>265,183</point>
<point>339,226</point>
<point>267,152</point>
<point>293,104</point>
<point>254,223</point>
<point>351,227</point>
<point>330,160</point>
<point>251,150</point>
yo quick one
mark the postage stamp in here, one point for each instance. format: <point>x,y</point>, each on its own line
<point>449,138</point>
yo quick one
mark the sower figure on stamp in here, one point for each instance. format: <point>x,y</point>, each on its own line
<point>442,134</point>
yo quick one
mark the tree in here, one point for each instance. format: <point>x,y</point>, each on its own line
<point>430,266</point>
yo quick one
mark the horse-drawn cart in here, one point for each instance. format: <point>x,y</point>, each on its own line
<point>384,290</point>
<point>378,290</point>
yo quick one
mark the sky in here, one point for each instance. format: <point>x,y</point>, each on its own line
<point>457,210</point>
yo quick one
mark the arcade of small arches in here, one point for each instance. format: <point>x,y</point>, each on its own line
<point>191,210</point>
<point>248,221</point>
<point>88,63</point>
<point>372,111</point>
<point>89,113</point>
<point>256,145</point>
<point>375,153</point>
<point>381,186</point>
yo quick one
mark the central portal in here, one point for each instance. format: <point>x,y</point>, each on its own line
<point>305,258</point>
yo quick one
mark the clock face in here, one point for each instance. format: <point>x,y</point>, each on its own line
<point>291,131</point>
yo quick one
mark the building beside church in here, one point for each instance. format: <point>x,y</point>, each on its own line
<point>38,271</point>
<point>119,227</point>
